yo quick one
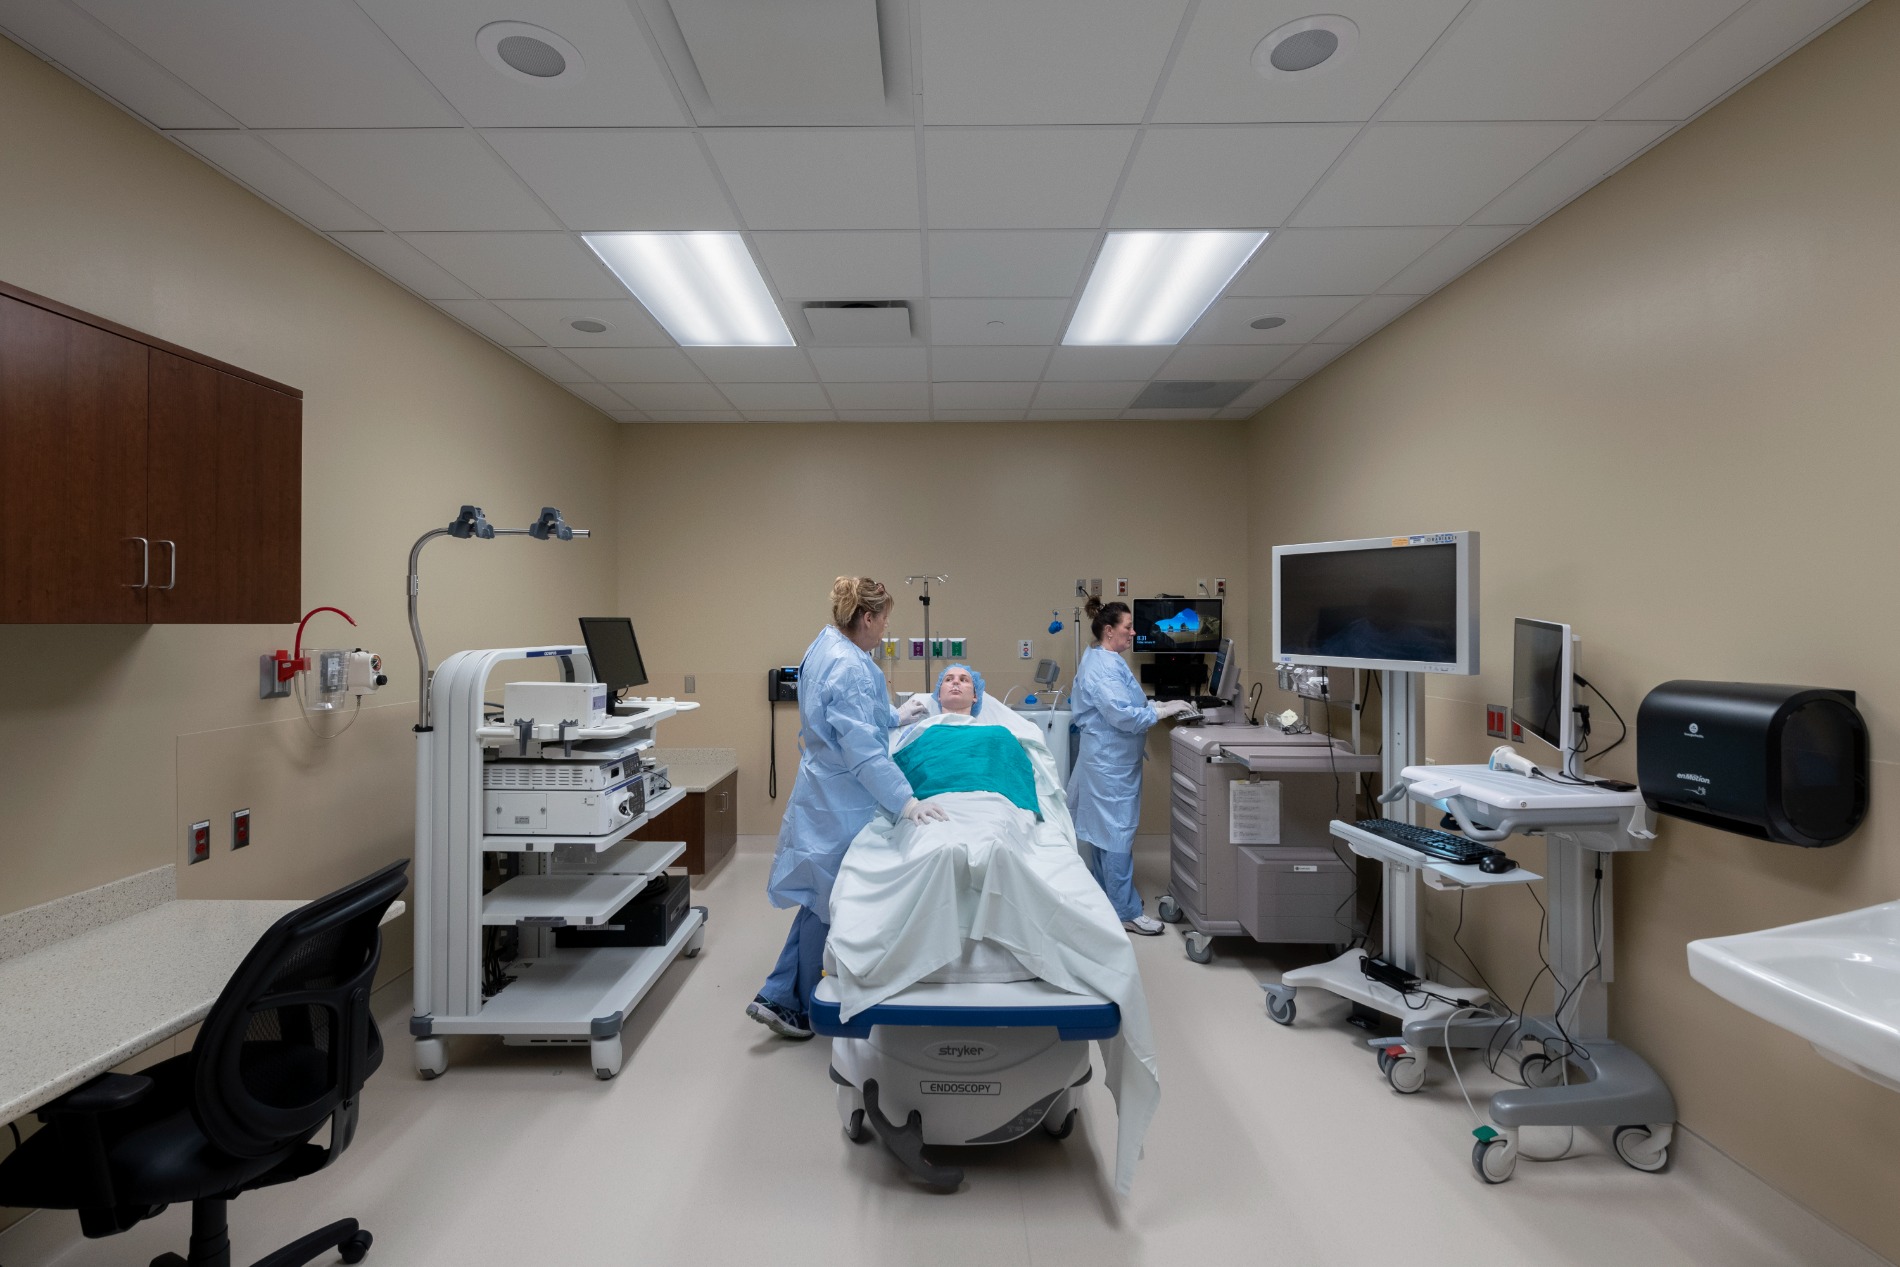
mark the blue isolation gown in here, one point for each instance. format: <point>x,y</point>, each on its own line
<point>1113,716</point>
<point>845,775</point>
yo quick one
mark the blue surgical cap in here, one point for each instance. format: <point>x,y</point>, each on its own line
<point>976,705</point>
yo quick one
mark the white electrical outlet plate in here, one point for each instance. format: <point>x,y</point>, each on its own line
<point>1025,648</point>
<point>1095,586</point>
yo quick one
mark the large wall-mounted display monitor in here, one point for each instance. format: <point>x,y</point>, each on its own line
<point>1541,676</point>
<point>1405,604</point>
<point>1166,625</point>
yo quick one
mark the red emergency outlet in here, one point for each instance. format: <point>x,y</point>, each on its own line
<point>240,828</point>
<point>200,841</point>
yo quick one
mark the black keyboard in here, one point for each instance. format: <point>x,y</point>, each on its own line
<point>1436,844</point>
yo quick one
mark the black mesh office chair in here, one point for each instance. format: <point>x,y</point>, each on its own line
<point>287,1047</point>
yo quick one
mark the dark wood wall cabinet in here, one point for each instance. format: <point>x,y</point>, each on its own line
<point>707,821</point>
<point>140,482</point>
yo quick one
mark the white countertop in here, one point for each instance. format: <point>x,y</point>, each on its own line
<point>74,1009</point>
<point>697,769</point>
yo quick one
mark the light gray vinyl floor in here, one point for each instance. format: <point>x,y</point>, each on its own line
<point>719,1144</point>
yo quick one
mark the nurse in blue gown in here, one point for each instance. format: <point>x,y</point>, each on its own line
<point>1113,716</point>
<point>845,777</point>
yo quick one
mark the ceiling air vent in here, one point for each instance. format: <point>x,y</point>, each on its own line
<point>812,59</point>
<point>860,322</point>
<point>1188,393</point>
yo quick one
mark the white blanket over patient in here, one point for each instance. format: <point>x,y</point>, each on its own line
<point>910,897</point>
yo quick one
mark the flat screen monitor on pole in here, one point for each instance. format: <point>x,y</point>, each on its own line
<point>1542,671</point>
<point>1404,604</point>
<point>614,652</point>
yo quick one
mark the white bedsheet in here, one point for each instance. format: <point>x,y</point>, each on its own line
<point>911,897</point>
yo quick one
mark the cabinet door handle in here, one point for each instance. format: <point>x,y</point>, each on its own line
<point>724,801</point>
<point>172,583</point>
<point>145,563</point>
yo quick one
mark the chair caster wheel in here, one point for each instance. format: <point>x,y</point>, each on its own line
<point>354,1249</point>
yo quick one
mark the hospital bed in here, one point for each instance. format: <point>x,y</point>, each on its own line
<point>978,1062</point>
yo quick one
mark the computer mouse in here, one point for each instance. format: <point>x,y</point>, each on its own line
<point>1496,864</point>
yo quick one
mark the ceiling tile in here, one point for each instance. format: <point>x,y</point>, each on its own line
<point>247,160</point>
<point>1581,163</point>
<point>1429,173</point>
<point>873,365</point>
<point>1044,61</point>
<point>622,83</point>
<point>1331,261</point>
<point>1225,177</point>
<point>695,415</point>
<point>1070,415</point>
<point>870,265</point>
<point>597,396</point>
<point>751,397</point>
<point>820,178</point>
<point>753,365</point>
<point>1092,365</point>
<point>638,365</point>
<point>1374,313</point>
<point>489,321</point>
<point>883,415</point>
<point>436,178</point>
<point>978,415</point>
<point>627,415</point>
<point>1170,415</point>
<point>1099,398</point>
<point>520,265</point>
<point>988,365</point>
<point>1264,393</point>
<point>982,395</point>
<point>616,179</point>
<point>1213,361</point>
<point>964,321</point>
<point>553,364</point>
<point>1213,79</point>
<point>994,262</point>
<point>1231,320</point>
<point>395,258</point>
<point>791,415</point>
<point>1022,178</point>
<point>1551,59</point>
<point>1748,41</point>
<point>627,322</point>
<point>1311,358</point>
<point>281,63</point>
<point>880,395</point>
<point>112,67</point>
<point>1460,249</point>
<point>658,397</point>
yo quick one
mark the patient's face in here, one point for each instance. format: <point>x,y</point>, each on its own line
<point>959,691</point>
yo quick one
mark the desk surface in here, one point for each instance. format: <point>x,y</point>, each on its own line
<point>72,1010</point>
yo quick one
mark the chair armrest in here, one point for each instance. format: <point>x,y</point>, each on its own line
<point>108,1093</point>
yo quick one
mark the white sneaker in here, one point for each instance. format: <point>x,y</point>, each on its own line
<point>1146,925</point>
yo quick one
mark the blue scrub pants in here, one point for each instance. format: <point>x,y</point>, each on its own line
<point>799,965</point>
<point>1115,872</point>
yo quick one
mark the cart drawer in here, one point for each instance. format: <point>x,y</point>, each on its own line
<point>1184,861</point>
<point>1189,828</point>
<point>1292,894</point>
<point>1187,891</point>
<point>1185,788</point>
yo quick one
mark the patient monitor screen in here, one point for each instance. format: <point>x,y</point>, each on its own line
<point>1371,604</point>
<point>1177,624</point>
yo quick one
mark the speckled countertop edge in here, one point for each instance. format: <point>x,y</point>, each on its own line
<point>34,927</point>
<point>697,769</point>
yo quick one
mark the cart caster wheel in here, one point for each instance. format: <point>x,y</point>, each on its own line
<point>1494,1159</point>
<point>1405,1074</point>
<point>691,952</point>
<point>855,1130</point>
<point>1540,1071</point>
<point>432,1058</point>
<point>605,1054</point>
<point>354,1249</point>
<point>1282,1010</point>
<point>1641,1149</point>
<point>1060,1131</point>
<point>1167,910</point>
<point>1200,947</point>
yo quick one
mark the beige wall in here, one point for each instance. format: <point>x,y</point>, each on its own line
<point>1670,411</point>
<point>732,536</point>
<point>113,738</point>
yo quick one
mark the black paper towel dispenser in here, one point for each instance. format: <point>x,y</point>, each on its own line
<point>1781,763</point>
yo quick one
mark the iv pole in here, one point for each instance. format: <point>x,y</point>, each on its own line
<point>924,598</point>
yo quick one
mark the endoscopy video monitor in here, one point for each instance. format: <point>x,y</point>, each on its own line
<point>1405,604</point>
<point>614,652</point>
<point>1167,625</point>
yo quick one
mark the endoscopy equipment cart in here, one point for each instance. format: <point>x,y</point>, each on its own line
<point>558,995</point>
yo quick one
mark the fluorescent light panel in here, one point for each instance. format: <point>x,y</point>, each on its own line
<point>703,287</point>
<point>1148,288</point>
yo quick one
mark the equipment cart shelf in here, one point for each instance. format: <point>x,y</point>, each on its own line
<point>545,994</point>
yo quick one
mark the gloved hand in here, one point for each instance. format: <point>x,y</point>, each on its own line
<point>1165,709</point>
<point>917,811</point>
<point>913,709</point>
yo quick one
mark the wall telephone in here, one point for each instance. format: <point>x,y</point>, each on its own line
<point>781,684</point>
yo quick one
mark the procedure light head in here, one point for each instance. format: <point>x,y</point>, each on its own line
<point>550,524</point>
<point>472,523</point>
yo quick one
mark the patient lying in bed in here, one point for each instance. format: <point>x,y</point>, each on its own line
<point>997,892</point>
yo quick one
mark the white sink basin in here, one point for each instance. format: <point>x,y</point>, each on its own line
<point>1833,981</point>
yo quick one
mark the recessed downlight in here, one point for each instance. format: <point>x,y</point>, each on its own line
<point>1267,323</point>
<point>587,325</point>
<point>529,54</point>
<point>1304,49</point>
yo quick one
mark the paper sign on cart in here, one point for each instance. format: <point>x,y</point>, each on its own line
<point>1253,813</point>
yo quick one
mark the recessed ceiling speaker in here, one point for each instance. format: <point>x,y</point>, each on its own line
<point>529,54</point>
<point>1304,49</point>
<point>1266,323</point>
<point>1188,393</point>
<point>587,325</point>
